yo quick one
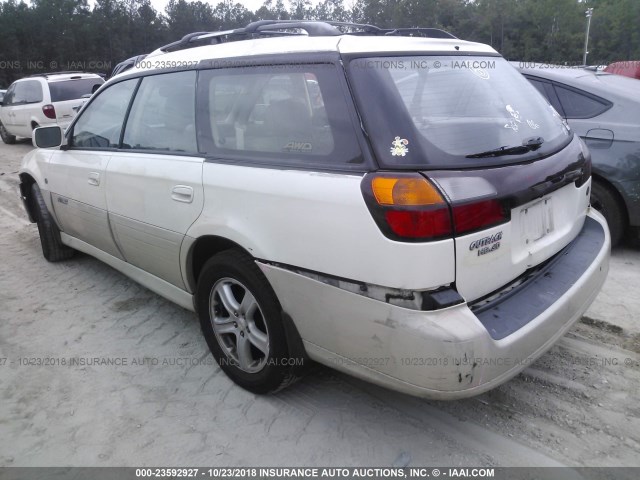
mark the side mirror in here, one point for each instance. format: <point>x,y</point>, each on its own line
<point>48,137</point>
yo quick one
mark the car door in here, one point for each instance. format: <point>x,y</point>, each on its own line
<point>27,98</point>
<point>154,183</point>
<point>6,110</point>
<point>76,175</point>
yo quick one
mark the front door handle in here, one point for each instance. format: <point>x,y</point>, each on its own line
<point>182,193</point>
<point>94,179</point>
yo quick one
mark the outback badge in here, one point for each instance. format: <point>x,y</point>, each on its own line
<point>486,244</point>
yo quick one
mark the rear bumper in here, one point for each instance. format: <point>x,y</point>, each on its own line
<point>453,352</point>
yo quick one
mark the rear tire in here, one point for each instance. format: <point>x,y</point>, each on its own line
<point>605,201</point>
<point>6,136</point>
<point>52,247</point>
<point>241,320</point>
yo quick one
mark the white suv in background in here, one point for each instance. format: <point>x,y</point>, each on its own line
<point>408,210</point>
<point>44,99</point>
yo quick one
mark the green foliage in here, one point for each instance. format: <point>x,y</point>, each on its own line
<point>52,35</point>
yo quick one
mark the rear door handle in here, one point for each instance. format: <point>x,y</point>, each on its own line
<point>94,179</point>
<point>182,193</point>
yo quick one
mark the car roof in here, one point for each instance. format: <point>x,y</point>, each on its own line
<point>343,44</point>
<point>606,85</point>
<point>60,76</point>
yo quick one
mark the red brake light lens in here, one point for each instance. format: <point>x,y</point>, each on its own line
<point>419,224</point>
<point>49,111</point>
<point>477,215</point>
<point>409,207</point>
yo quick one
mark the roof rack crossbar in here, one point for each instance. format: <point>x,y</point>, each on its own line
<point>427,32</point>
<point>313,28</point>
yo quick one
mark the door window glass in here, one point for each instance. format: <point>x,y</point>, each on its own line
<point>100,124</point>
<point>29,91</point>
<point>163,114</point>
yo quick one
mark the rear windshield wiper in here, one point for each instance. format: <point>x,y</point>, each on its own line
<point>528,145</point>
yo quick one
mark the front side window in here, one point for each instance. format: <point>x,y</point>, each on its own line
<point>163,116</point>
<point>448,111</point>
<point>8,96</point>
<point>100,124</point>
<point>277,114</point>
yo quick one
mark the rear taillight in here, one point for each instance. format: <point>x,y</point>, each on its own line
<point>407,207</point>
<point>49,111</point>
<point>474,216</point>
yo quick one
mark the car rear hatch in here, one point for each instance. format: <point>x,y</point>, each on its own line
<point>69,94</point>
<point>514,179</point>
<point>543,206</point>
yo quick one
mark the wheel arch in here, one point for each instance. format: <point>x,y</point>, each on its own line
<point>202,249</point>
<point>205,247</point>
<point>26,181</point>
<point>622,202</point>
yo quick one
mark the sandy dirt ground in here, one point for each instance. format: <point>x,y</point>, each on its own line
<point>167,403</point>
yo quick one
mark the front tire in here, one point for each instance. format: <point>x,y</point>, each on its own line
<point>241,320</point>
<point>6,136</point>
<point>603,200</point>
<point>52,247</point>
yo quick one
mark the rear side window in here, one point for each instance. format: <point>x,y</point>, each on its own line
<point>100,124</point>
<point>292,114</point>
<point>73,89</point>
<point>162,116</point>
<point>578,104</point>
<point>29,91</point>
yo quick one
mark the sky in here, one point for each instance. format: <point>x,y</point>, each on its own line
<point>252,5</point>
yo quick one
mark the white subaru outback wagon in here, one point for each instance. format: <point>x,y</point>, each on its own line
<point>400,205</point>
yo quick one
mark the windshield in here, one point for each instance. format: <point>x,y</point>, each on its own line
<point>448,111</point>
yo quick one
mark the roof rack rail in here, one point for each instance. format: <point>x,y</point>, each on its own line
<point>311,28</point>
<point>55,73</point>
<point>425,32</point>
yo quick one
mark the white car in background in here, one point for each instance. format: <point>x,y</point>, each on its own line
<point>407,210</point>
<point>43,99</point>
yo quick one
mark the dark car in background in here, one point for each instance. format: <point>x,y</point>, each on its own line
<point>604,110</point>
<point>2,92</point>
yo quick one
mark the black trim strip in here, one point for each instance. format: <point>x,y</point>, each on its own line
<point>436,299</point>
<point>513,310</point>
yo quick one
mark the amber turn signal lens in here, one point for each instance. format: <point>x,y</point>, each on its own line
<point>406,191</point>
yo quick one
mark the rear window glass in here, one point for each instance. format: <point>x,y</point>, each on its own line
<point>438,111</point>
<point>73,89</point>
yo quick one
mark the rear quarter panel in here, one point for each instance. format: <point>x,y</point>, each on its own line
<point>316,221</point>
